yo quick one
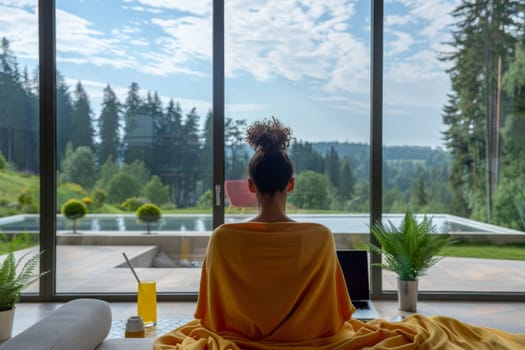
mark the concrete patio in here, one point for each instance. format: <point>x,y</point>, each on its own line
<point>102,269</point>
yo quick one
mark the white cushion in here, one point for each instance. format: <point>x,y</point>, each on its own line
<point>79,324</point>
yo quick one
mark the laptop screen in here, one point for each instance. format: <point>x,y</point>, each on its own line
<point>354,264</point>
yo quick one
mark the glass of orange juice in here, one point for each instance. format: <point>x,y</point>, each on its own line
<point>147,302</point>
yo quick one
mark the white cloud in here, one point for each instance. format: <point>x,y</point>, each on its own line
<point>187,37</point>
<point>161,64</point>
<point>196,7</point>
<point>413,75</point>
<point>418,80</point>
<point>18,3</point>
<point>296,42</point>
<point>351,71</point>
<point>433,17</point>
<point>396,19</point>
<point>20,27</point>
<point>142,9</point>
<point>401,44</point>
<point>78,42</point>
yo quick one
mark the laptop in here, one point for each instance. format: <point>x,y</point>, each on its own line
<point>354,264</point>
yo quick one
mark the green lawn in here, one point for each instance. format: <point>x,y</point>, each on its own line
<point>18,242</point>
<point>485,251</point>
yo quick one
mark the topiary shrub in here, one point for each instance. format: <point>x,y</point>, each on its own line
<point>73,210</point>
<point>148,214</point>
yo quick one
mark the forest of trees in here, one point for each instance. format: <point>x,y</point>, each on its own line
<point>141,141</point>
<point>132,141</point>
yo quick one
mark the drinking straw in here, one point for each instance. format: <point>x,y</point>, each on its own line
<point>131,267</point>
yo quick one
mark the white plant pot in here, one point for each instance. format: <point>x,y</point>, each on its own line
<point>407,295</point>
<point>6,323</point>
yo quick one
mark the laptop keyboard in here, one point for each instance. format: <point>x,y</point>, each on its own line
<point>362,305</point>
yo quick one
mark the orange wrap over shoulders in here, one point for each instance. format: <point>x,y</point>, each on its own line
<point>279,286</point>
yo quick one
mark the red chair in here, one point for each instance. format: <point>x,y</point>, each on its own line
<point>239,195</point>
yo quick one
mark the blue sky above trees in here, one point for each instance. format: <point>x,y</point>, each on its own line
<point>306,62</point>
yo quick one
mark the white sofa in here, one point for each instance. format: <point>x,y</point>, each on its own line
<point>80,324</point>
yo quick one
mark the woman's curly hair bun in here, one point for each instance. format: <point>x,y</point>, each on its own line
<point>267,135</point>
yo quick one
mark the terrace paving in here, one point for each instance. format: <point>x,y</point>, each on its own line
<point>100,269</point>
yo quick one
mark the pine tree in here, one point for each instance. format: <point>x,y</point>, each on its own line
<point>236,164</point>
<point>420,196</point>
<point>345,187</point>
<point>171,146</point>
<point>332,165</point>
<point>456,138</point>
<point>508,201</point>
<point>109,126</point>
<point>64,117</point>
<point>305,157</point>
<point>186,194</point>
<point>133,110</point>
<point>142,125</point>
<point>30,140</point>
<point>481,40</point>
<point>18,119</point>
<point>154,160</point>
<point>8,65</point>
<point>82,133</point>
<point>206,160</point>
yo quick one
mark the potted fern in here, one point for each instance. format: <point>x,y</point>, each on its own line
<point>408,250</point>
<point>15,275</point>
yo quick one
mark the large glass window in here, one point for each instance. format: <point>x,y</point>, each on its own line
<point>307,64</point>
<point>133,119</point>
<point>134,127</point>
<point>453,126</point>
<point>19,131</point>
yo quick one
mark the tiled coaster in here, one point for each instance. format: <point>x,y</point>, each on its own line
<point>118,327</point>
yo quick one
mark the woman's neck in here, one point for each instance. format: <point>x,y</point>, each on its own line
<point>272,208</point>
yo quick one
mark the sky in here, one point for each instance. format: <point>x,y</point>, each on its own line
<point>306,62</point>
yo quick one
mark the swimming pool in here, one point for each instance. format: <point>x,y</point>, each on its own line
<point>338,223</point>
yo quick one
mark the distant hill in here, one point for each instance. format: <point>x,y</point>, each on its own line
<point>357,150</point>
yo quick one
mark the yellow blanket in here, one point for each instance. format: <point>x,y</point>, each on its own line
<point>279,286</point>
